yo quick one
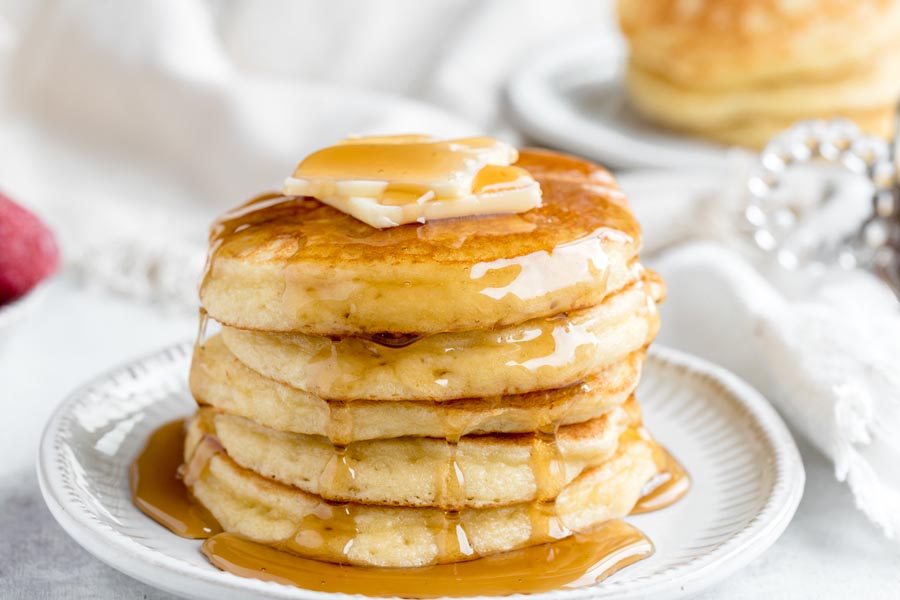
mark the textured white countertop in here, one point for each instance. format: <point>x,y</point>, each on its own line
<point>829,551</point>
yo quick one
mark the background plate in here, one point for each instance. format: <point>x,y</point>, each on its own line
<point>747,474</point>
<point>569,95</point>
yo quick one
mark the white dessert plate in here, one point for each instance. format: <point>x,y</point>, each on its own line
<point>747,473</point>
<point>569,95</point>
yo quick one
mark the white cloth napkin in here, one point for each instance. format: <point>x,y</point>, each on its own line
<point>822,343</point>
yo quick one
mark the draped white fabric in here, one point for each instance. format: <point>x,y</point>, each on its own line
<point>820,342</point>
<point>130,124</point>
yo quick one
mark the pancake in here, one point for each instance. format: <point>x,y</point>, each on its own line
<point>489,470</point>
<point>543,353</point>
<point>713,44</point>
<point>297,265</point>
<point>752,116</point>
<point>269,512</point>
<point>220,380</point>
<point>757,131</point>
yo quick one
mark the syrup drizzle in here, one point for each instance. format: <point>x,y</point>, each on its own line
<point>202,326</point>
<point>579,560</point>
<point>560,246</point>
<point>451,485</point>
<point>157,488</point>
<point>352,367</point>
<point>341,422</point>
<point>669,486</point>
<point>549,470</point>
<point>243,217</point>
<point>574,559</point>
<point>412,165</point>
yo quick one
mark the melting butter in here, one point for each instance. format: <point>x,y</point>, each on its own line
<point>387,181</point>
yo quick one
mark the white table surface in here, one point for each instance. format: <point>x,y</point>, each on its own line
<point>828,552</point>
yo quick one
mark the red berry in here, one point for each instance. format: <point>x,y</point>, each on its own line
<point>28,251</point>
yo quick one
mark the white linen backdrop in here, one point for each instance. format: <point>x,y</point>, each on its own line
<point>128,124</point>
<point>116,115</point>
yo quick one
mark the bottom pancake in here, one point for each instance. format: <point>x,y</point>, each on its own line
<point>269,512</point>
<point>486,470</point>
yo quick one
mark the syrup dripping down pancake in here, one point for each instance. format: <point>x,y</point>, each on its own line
<point>285,517</point>
<point>493,470</point>
<point>220,380</point>
<point>542,353</point>
<point>295,264</point>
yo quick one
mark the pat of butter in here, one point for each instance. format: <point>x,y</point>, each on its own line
<point>392,180</point>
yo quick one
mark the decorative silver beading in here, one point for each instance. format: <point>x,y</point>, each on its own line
<point>773,221</point>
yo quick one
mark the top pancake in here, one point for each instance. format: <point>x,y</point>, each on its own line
<point>736,43</point>
<point>297,265</point>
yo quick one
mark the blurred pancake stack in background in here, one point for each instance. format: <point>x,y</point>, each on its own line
<point>741,71</point>
<point>428,393</point>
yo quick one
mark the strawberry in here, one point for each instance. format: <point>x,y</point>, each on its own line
<point>28,251</point>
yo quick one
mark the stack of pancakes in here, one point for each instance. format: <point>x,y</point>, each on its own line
<point>740,71</point>
<point>426,393</point>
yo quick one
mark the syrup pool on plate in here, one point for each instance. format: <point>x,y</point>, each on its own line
<point>578,559</point>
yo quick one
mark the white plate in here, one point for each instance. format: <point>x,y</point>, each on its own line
<point>569,95</point>
<point>747,474</point>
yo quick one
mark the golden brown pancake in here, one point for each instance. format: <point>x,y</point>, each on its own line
<point>222,381</point>
<point>754,115</point>
<point>728,44</point>
<point>286,517</point>
<point>543,353</point>
<point>296,265</point>
<point>742,71</point>
<point>489,470</point>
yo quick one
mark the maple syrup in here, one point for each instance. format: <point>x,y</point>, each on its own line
<point>500,266</point>
<point>415,164</point>
<point>568,246</point>
<point>579,558</point>
<point>550,350</point>
<point>669,486</point>
<point>157,488</point>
